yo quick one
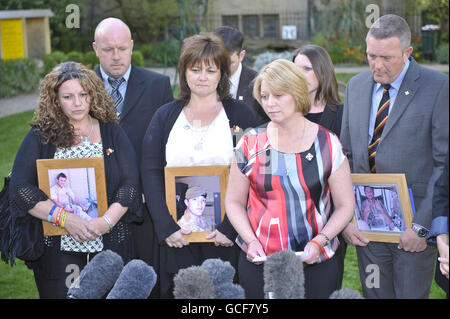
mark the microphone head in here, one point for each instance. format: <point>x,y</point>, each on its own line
<point>229,290</point>
<point>97,277</point>
<point>193,283</point>
<point>220,271</point>
<point>346,293</point>
<point>283,276</point>
<point>136,281</point>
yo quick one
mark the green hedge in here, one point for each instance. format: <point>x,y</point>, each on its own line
<point>18,76</point>
<point>442,53</point>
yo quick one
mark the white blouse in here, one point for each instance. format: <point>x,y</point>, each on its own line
<point>193,146</point>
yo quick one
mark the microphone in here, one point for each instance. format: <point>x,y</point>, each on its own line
<point>97,277</point>
<point>346,293</point>
<point>222,274</point>
<point>283,276</point>
<point>136,281</point>
<point>193,283</point>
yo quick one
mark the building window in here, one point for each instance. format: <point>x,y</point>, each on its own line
<point>231,21</point>
<point>270,26</point>
<point>250,24</point>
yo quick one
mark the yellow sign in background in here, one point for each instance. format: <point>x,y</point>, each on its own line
<point>12,39</point>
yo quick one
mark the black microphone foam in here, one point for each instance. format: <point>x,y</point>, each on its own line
<point>283,276</point>
<point>97,277</point>
<point>136,281</point>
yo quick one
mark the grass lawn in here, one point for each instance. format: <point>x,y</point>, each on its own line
<point>18,281</point>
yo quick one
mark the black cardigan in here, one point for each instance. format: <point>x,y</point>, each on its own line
<point>122,185</point>
<point>154,161</point>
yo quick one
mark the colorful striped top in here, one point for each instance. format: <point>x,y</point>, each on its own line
<point>289,198</point>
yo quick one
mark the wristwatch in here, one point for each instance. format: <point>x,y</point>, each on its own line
<point>419,230</point>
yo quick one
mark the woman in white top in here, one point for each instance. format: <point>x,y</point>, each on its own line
<point>194,130</point>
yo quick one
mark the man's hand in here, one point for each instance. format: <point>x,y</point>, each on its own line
<point>409,241</point>
<point>353,236</point>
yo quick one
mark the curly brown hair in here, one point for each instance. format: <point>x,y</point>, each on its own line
<point>49,119</point>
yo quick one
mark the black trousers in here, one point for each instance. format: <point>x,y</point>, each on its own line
<point>320,279</point>
<point>54,274</point>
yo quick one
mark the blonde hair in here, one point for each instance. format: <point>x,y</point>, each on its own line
<point>285,77</point>
<point>49,119</point>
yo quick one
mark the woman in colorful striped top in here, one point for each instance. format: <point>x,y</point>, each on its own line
<point>281,181</point>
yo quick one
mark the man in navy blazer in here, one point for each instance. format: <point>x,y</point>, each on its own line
<point>414,141</point>
<point>142,93</point>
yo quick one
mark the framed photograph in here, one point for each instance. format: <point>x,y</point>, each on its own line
<point>195,196</point>
<point>77,184</point>
<point>383,207</point>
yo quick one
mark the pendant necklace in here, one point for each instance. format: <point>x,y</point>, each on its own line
<point>85,141</point>
<point>199,145</point>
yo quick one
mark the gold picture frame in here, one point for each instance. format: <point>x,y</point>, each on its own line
<point>383,207</point>
<point>213,179</point>
<point>86,176</point>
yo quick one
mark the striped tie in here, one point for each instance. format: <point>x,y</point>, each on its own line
<point>380,121</point>
<point>115,94</point>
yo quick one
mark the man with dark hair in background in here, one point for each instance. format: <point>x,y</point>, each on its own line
<point>241,76</point>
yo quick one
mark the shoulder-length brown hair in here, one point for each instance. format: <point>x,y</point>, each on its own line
<point>204,47</point>
<point>49,119</point>
<point>324,71</point>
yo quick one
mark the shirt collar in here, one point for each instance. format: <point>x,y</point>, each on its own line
<point>105,76</point>
<point>398,81</point>
<point>235,77</point>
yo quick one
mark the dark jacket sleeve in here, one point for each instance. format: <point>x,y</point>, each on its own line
<point>24,192</point>
<point>25,232</point>
<point>439,224</point>
<point>122,174</point>
<point>152,174</point>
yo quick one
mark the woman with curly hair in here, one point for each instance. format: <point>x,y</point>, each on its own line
<point>75,118</point>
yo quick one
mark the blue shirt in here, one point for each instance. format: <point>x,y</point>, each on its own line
<point>377,94</point>
<point>123,86</point>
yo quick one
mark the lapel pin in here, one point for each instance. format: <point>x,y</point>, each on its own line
<point>406,92</point>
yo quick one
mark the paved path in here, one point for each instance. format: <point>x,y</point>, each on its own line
<point>25,102</point>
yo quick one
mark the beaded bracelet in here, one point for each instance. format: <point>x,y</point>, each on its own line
<point>49,217</point>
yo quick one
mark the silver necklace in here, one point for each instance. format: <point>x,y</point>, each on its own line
<point>199,143</point>
<point>85,141</point>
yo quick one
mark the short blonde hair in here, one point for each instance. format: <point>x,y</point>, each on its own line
<point>285,77</point>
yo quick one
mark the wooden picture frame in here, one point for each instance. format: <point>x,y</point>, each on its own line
<point>85,177</point>
<point>213,180</point>
<point>383,207</point>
